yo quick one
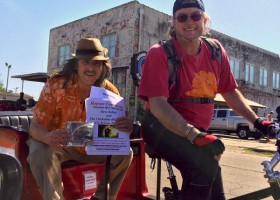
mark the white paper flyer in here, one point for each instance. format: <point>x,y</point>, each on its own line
<point>103,107</point>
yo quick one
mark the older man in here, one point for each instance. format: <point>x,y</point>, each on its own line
<point>63,99</point>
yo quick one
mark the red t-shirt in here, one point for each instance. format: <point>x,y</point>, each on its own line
<point>199,76</point>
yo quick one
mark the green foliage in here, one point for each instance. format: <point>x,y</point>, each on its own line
<point>2,89</point>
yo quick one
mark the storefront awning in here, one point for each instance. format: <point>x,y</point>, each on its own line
<point>219,98</point>
<point>37,77</point>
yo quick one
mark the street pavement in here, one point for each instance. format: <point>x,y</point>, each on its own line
<point>241,169</point>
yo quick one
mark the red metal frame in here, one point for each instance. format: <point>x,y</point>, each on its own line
<point>133,187</point>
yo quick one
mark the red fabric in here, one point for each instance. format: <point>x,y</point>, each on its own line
<point>200,76</point>
<point>205,140</point>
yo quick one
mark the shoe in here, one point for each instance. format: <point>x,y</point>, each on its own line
<point>94,198</point>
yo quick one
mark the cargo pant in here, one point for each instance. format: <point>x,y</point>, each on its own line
<point>201,173</point>
<point>45,163</point>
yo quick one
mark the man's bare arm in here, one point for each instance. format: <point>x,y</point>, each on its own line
<point>169,117</point>
<point>237,102</point>
<point>56,138</point>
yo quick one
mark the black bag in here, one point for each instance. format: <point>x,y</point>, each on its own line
<point>151,153</point>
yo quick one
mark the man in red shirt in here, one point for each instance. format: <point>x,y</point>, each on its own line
<point>177,117</point>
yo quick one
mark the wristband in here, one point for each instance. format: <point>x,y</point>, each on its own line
<point>188,130</point>
<point>200,135</point>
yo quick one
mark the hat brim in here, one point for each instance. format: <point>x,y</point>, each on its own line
<point>90,57</point>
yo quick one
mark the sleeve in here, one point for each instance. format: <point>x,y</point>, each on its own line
<point>109,86</point>
<point>227,81</point>
<point>45,107</point>
<point>154,80</point>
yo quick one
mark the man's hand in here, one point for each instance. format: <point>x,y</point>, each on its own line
<point>57,138</point>
<point>124,124</point>
<point>210,143</point>
<point>262,126</point>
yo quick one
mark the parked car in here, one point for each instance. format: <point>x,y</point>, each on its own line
<point>226,120</point>
<point>8,105</point>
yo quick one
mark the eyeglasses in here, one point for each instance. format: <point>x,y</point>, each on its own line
<point>182,17</point>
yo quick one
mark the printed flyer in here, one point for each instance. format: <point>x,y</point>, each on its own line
<point>103,107</point>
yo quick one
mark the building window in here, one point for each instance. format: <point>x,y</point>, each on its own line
<point>249,73</point>
<point>119,80</point>
<point>263,76</point>
<point>109,41</point>
<point>276,80</point>
<point>234,66</point>
<point>63,54</point>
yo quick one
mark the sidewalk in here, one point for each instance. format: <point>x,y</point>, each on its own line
<point>231,140</point>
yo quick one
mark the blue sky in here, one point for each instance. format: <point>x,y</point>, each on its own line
<point>25,27</point>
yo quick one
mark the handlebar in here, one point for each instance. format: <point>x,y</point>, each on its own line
<point>273,176</point>
<point>274,129</point>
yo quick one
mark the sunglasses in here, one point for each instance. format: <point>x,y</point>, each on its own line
<point>182,17</point>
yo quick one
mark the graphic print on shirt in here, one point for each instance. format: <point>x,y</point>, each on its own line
<point>204,84</point>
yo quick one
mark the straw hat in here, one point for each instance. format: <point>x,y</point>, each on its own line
<point>90,49</point>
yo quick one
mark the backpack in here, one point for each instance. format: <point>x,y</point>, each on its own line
<point>174,63</point>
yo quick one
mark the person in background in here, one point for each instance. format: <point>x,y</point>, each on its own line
<point>270,119</point>
<point>269,116</point>
<point>177,117</point>
<point>63,99</point>
<point>31,103</point>
<point>21,102</point>
<point>278,114</point>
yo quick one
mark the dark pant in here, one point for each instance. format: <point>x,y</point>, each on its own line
<point>201,173</point>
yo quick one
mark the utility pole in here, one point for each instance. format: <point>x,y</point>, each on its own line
<point>9,67</point>
<point>16,88</point>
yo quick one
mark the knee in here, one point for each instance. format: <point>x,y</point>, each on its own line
<point>128,158</point>
<point>40,156</point>
<point>123,160</point>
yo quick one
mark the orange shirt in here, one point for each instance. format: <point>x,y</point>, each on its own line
<point>57,105</point>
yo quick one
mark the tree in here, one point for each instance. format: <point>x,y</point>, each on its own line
<point>2,89</point>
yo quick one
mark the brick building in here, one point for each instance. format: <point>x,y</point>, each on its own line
<point>134,27</point>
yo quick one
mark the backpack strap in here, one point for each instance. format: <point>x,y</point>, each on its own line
<point>173,61</point>
<point>214,48</point>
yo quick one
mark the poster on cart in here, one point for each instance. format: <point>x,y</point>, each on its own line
<point>103,107</point>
